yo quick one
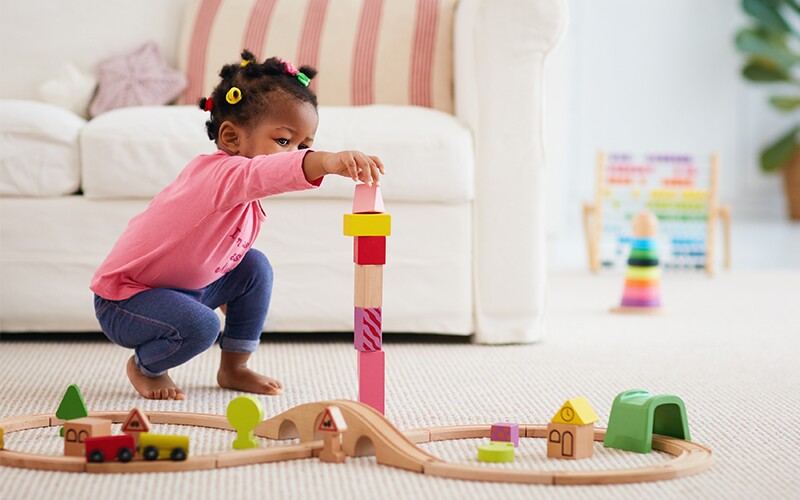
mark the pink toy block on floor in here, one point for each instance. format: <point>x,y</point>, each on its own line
<point>367,200</point>
<point>505,432</point>
<point>368,334</point>
<point>371,368</point>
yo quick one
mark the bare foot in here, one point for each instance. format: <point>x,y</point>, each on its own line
<point>234,374</point>
<point>152,387</point>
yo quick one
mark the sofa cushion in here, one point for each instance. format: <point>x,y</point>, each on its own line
<point>38,149</point>
<point>366,51</point>
<point>135,152</point>
<point>427,154</point>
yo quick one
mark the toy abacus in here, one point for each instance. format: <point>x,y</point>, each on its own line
<point>681,191</point>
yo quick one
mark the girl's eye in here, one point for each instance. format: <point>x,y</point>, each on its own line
<point>283,142</point>
<point>302,146</point>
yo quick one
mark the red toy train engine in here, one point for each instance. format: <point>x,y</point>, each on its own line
<point>102,448</point>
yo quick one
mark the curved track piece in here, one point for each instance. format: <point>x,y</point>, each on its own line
<point>391,446</point>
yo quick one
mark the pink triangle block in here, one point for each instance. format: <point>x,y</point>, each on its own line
<point>368,200</point>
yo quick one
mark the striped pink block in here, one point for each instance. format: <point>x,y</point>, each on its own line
<point>371,372</point>
<point>368,334</point>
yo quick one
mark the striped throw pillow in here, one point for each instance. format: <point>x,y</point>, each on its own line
<point>366,51</point>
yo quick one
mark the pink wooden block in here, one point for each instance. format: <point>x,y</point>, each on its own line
<point>505,432</point>
<point>368,200</point>
<point>367,326</point>
<point>371,369</point>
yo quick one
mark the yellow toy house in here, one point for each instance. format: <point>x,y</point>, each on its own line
<point>570,433</point>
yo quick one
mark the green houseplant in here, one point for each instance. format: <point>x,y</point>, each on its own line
<point>771,45</point>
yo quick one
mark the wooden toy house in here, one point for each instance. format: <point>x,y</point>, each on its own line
<point>77,430</point>
<point>570,433</point>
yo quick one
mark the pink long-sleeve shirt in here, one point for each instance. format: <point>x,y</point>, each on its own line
<point>199,227</point>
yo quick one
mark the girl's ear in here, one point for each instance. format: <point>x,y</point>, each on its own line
<point>228,137</point>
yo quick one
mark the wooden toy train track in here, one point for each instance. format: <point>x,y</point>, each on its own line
<point>389,445</point>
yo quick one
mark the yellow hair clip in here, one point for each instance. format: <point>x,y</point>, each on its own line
<point>234,95</point>
<point>245,62</point>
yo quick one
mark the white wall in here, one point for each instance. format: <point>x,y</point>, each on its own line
<point>660,75</point>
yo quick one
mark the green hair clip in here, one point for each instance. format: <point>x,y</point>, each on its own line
<point>303,78</point>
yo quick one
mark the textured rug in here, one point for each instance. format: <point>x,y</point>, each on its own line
<point>728,347</point>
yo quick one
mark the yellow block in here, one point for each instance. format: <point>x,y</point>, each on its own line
<point>367,224</point>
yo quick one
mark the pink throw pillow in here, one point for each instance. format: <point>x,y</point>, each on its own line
<point>140,78</point>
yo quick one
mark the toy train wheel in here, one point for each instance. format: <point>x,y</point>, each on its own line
<point>124,454</point>
<point>96,456</point>
<point>150,453</point>
<point>178,454</point>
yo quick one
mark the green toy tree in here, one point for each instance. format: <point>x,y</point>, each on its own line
<point>72,406</point>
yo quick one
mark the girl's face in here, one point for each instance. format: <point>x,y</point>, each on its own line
<point>291,126</point>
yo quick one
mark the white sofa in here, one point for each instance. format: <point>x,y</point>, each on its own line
<point>465,190</point>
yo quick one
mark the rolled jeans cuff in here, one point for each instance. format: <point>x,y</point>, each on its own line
<point>238,345</point>
<point>145,370</point>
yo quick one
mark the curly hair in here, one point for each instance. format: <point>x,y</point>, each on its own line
<point>261,85</point>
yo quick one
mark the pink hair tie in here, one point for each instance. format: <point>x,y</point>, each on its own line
<point>289,67</point>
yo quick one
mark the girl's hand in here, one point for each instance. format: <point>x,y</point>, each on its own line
<point>354,164</point>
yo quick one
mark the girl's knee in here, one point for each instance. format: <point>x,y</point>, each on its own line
<point>256,264</point>
<point>256,259</point>
<point>201,329</point>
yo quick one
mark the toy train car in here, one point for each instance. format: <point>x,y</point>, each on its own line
<point>155,446</point>
<point>102,448</point>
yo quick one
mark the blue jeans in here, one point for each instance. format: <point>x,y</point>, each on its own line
<point>169,326</point>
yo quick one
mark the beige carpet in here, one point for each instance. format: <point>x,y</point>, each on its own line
<point>729,347</point>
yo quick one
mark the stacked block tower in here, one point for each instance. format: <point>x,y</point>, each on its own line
<point>642,294</point>
<point>369,226</point>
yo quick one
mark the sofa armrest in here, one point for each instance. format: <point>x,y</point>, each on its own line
<point>501,47</point>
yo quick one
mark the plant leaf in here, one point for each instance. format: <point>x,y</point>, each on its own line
<point>753,42</point>
<point>785,103</point>
<point>763,70</point>
<point>766,12</point>
<point>779,152</point>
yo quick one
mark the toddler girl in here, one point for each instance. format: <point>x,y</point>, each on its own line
<point>190,251</point>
